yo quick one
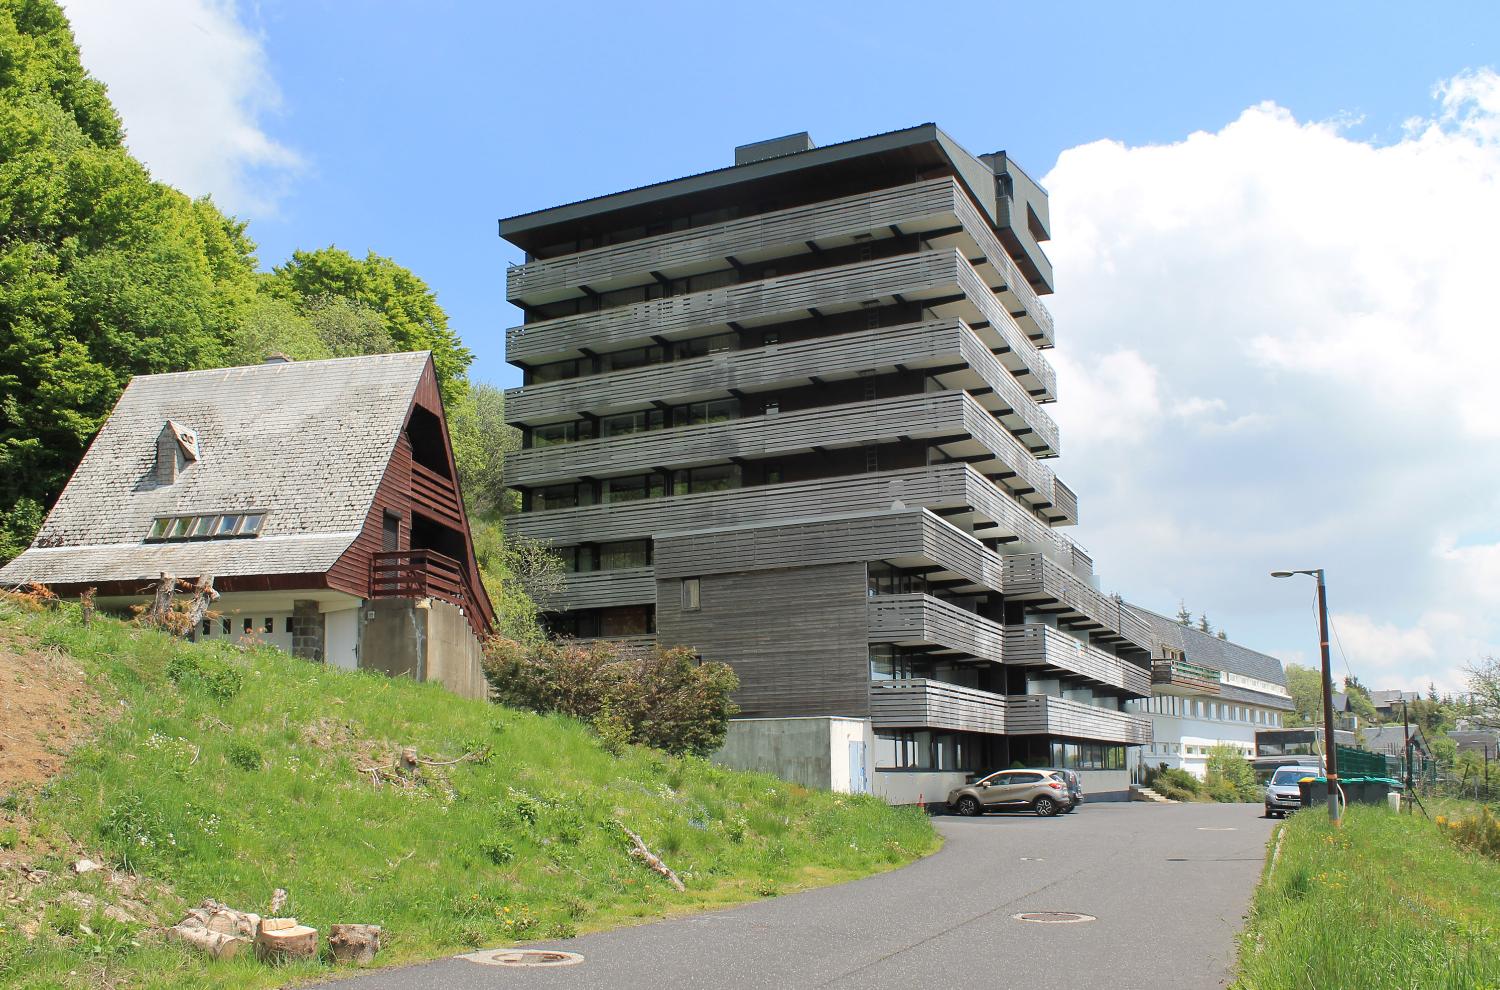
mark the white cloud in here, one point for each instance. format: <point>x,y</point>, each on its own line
<point>193,86</point>
<point>1278,347</point>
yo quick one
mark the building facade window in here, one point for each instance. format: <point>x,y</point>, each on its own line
<point>692,594</point>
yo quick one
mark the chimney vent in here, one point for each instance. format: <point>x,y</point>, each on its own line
<point>276,357</point>
<point>774,148</point>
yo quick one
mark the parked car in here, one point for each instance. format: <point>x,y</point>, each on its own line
<point>1282,793</point>
<point>1075,788</point>
<point>1042,791</point>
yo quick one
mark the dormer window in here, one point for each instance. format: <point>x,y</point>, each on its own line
<point>219,526</point>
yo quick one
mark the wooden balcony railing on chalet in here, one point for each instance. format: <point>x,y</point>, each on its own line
<point>1038,645</point>
<point>915,345</point>
<point>912,276</point>
<point>435,496</point>
<point>1031,576</point>
<point>1035,714</point>
<point>920,206</point>
<point>423,574</point>
<point>923,703</point>
<point>1183,678</point>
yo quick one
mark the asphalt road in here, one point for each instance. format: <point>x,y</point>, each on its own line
<point>1169,885</point>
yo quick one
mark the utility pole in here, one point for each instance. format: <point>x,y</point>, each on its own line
<point>1406,733</point>
<point>1330,743</point>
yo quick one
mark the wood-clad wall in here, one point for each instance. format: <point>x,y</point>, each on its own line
<point>796,637</point>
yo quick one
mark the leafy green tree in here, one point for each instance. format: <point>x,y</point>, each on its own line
<point>104,274</point>
<point>1228,776</point>
<point>1305,685</point>
<point>410,316</point>
<point>481,439</point>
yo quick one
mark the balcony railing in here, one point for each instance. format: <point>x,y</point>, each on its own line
<point>423,574</point>
<point>782,365</point>
<point>606,589</point>
<point>945,486</point>
<point>915,277</point>
<point>435,495</point>
<point>1038,645</point>
<point>1034,714</point>
<point>923,619</point>
<point>923,703</point>
<point>917,207</point>
<point>1183,678</point>
<point>1032,576</point>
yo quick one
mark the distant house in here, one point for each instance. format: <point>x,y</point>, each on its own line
<point>1390,740</point>
<point>1206,692</point>
<point>1388,703</point>
<point>320,496</point>
<point>1474,739</point>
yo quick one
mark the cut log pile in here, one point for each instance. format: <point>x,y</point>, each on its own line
<point>221,932</point>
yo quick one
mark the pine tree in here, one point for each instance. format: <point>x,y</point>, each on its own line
<point>1204,625</point>
<point>1183,615</point>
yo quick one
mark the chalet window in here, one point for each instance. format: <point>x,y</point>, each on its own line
<point>692,594</point>
<point>247,626</point>
<point>224,626</point>
<point>289,625</point>
<point>390,532</point>
<point>269,627</point>
<point>206,527</point>
<point>250,524</point>
<point>208,627</point>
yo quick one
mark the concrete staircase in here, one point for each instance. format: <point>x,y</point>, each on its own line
<point>1138,793</point>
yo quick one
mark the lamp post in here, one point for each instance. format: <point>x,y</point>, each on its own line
<point>1330,745</point>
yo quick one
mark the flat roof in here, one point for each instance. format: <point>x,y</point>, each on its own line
<point>967,165</point>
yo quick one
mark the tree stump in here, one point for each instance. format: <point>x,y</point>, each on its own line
<point>354,943</point>
<point>216,945</point>
<point>406,763</point>
<point>281,939</point>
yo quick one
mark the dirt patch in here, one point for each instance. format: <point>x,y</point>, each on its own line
<point>46,708</point>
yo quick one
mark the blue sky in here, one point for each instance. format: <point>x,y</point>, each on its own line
<point>1272,233</point>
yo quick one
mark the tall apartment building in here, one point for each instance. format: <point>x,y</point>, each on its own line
<point>792,413</point>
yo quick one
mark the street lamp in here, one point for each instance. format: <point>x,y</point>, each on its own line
<point>1330,746</point>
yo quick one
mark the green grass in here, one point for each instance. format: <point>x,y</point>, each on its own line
<point>1387,901</point>
<point>226,773</point>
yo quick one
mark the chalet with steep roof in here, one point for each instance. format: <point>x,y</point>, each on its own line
<point>321,496</point>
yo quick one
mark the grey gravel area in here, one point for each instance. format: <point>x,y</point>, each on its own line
<point>1169,885</point>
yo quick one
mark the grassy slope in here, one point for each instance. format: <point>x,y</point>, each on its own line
<point>519,846</point>
<point>1386,902</point>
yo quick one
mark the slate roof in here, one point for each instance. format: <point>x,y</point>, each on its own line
<point>1211,651</point>
<point>1389,699</point>
<point>1391,739</point>
<point>306,442</point>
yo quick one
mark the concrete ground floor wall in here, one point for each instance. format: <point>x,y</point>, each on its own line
<point>823,751</point>
<point>424,639</point>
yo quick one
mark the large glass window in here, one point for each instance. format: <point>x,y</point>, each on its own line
<point>697,413</point>
<point>551,434</point>
<point>718,478</point>
<point>893,663</point>
<point>636,357</point>
<point>562,496</point>
<point>699,346</point>
<point>632,422</point>
<point>887,580</point>
<point>633,488</point>
<point>631,553</point>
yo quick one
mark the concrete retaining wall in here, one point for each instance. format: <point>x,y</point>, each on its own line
<point>425,640</point>
<point>826,752</point>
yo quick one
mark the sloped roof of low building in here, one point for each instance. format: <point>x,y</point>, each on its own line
<point>1210,651</point>
<point>304,442</point>
<point>1391,739</point>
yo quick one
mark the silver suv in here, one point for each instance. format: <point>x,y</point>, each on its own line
<point>1282,792</point>
<point>1042,791</point>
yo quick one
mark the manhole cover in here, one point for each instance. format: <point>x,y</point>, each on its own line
<point>1053,917</point>
<point>524,957</point>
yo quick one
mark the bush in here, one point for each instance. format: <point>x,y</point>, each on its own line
<point>244,756</point>
<point>1229,776</point>
<point>666,699</point>
<point>1478,833</point>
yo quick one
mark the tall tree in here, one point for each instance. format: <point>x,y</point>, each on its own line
<point>104,274</point>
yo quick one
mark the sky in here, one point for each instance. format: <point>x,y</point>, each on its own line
<point>1274,233</point>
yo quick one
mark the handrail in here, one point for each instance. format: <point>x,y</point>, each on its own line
<point>423,573</point>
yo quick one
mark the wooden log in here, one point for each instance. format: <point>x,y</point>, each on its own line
<point>278,944</point>
<point>216,945</point>
<point>222,918</point>
<point>204,595</point>
<point>640,852</point>
<point>354,943</point>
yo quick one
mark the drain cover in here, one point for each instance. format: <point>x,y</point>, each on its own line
<point>524,957</point>
<point>1053,917</point>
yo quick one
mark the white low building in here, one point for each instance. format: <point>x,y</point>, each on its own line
<point>1205,692</point>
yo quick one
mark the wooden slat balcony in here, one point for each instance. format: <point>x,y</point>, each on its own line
<point>922,620</point>
<point>1043,646</point>
<point>935,205</point>
<point>956,488</point>
<point>1033,577</point>
<point>1034,714</point>
<point>435,496</point>
<point>625,647</point>
<point>942,277</point>
<point>1182,678</point>
<point>965,428</point>
<point>934,344</point>
<point>606,589</point>
<point>423,574</point>
<point>921,703</point>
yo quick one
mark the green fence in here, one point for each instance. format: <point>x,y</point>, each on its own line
<point>1359,763</point>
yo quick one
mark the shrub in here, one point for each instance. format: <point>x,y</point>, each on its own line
<point>243,755</point>
<point>1478,833</point>
<point>666,699</point>
<point>1229,776</point>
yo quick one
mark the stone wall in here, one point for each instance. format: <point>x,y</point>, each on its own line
<point>307,630</point>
